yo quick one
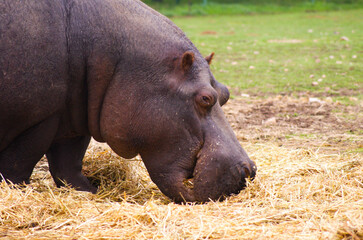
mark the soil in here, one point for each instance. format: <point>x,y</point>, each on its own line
<point>298,121</point>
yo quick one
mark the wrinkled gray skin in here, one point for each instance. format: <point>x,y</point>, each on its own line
<point>122,73</point>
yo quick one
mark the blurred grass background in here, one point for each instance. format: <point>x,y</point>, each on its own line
<point>172,8</point>
<point>278,46</point>
<point>283,47</point>
<point>320,52</point>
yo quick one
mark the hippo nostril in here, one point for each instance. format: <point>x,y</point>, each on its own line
<point>247,173</point>
<point>253,173</point>
<point>240,172</point>
<point>237,171</point>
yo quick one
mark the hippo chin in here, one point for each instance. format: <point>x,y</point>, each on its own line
<point>119,72</point>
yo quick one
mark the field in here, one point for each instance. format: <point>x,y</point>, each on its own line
<point>296,81</point>
<point>235,7</point>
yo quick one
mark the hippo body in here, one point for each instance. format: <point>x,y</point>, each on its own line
<point>119,72</point>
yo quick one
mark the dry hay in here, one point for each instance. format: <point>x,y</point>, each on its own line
<point>302,191</point>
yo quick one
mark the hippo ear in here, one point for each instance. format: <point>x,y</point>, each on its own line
<point>187,60</point>
<point>210,58</point>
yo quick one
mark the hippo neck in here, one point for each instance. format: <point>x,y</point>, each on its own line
<point>109,35</point>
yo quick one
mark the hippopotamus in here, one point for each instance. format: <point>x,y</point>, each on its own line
<point>121,73</point>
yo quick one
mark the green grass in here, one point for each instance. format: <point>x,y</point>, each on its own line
<point>238,7</point>
<point>249,8</point>
<point>285,52</point>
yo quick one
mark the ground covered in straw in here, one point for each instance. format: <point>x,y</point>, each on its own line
<point>309,184</point>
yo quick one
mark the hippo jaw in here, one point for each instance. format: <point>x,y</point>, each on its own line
<point>220,166</point>
<point>201,187</point>
<point>218,177</point>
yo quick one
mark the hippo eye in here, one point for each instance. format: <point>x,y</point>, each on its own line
<point>205,100</point>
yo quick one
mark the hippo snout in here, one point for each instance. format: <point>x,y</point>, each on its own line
<point>218,177</point>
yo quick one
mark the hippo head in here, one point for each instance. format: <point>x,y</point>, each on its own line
<point>172,117</point>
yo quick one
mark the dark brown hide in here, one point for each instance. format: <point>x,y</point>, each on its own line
<point>119,72</point>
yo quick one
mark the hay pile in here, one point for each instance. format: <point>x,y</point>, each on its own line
<point>300,192</point>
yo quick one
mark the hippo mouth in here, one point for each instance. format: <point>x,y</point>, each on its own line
<point>211,172</point>
<point>189,181</point>
<point>200,187</point>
